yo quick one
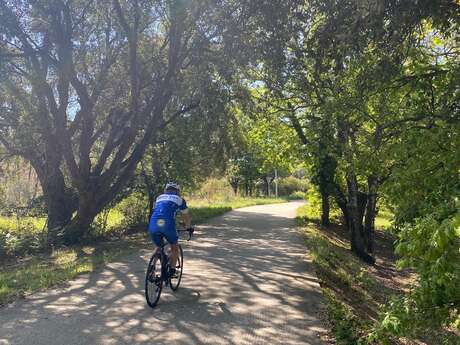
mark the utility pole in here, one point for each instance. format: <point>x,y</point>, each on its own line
<point>276,183</point>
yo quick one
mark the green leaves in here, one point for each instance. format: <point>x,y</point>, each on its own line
<point>431,246</point>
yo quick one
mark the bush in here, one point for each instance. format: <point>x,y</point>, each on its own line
<point>297,196</point>
<point>431,246</point>
<point>134,210</point>
<point>312,211</point>
<point>290,185</point>
<point>22,241</point>
<point>215,189</point>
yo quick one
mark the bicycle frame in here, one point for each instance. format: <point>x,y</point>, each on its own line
<point>165,277</point>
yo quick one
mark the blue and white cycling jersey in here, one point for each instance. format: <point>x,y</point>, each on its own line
<point>164,215</point>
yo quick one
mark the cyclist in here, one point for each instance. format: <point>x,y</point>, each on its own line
<point>163,221</point>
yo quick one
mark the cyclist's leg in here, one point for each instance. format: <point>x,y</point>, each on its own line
<point>172,238</point>
<point>157,240</point>
<point>174,255</point>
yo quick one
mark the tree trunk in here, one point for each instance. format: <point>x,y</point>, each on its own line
<point>151,203</point>
<point>234,183</point>
<point>80,224</point>
<point>354,203</point>
<point>357,240</point>
<point>154,184</point>
<point>371,212</point>
<point>362,202</point>
<point>325,208</point>
<point>60,205</point>
<point>267,186</point>
<point>60,202</point>
<point>355,222</point>
<point>341,200</point>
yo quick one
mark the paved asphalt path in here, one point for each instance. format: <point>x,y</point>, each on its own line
<point>246,281</point>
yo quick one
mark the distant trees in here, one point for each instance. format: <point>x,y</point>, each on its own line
<point>265,145</point>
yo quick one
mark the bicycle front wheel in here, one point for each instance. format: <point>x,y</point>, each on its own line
<point>175,280</point>
<point>153,281</point>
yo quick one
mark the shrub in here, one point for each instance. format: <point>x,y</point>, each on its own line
<point>290,185</point>
<point>134,210</point>
<point>216,189</point>
<point>431,246</point>
<point>22,241</point>
<point>312,211</point>
<point>297,196</point>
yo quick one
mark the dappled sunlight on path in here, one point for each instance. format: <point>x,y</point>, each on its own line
<point>246,281</point>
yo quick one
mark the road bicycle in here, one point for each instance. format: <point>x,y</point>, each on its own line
<point>157,274</point>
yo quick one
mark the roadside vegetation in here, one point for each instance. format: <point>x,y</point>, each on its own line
<point>356,295</point>
<point>102,102</point>
<point>123,234</point>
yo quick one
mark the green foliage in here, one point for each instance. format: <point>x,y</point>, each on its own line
<point>312,211</point>
<point>273,142</point>
<point>244,170</point>
<point>432,247</point>
<point>297,196</point>
<point>379,102</point>
<point>289,185</point>
<point>424,191</point>
<point>214,190</point>
<point>344,324</point>
<point>21,235</point>
<point>133,210</point>
<point>110,221</point>
<point>47,271</point>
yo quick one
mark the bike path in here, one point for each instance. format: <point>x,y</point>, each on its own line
<point>246,280</point>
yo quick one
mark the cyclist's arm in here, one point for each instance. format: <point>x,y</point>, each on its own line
<point>185,213</point>
<point>186,218</point>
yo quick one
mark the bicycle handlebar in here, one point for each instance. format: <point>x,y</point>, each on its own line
<point>190,232</point>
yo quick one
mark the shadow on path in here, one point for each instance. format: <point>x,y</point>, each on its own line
<point>246,281</point>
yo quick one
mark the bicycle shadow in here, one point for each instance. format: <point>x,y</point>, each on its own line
<point>243,283</point>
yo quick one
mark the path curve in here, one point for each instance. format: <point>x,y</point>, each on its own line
<point>246,281</point>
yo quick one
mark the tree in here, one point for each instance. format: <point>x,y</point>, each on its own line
<point>182,154</point>
<point>97,82</point>
<point>319,83</point>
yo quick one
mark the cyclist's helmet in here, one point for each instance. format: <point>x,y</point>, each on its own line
<point>172,185</point>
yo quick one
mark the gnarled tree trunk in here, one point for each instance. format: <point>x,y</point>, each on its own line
<point>88,208</point>
<point>60,201</point>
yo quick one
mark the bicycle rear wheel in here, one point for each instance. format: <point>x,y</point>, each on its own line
<point>175,281</point>
<point>153,281</point>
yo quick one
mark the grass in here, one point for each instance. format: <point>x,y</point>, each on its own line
<point>353,291</point>
<point>202,210</point>
<point>344,284</point>
<point>45,271</point>
<point>383,220</point>
<point>35,224</point>
<point>26,275</point>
